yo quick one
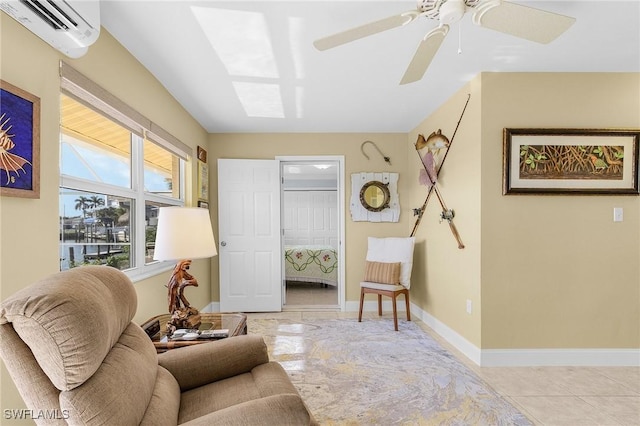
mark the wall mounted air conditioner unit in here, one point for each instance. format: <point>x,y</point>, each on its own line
<point>70,26</point>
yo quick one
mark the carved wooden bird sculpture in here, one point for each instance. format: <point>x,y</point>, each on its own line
<point>179,280</point>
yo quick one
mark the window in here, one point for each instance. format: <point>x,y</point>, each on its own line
<point>115,174</point>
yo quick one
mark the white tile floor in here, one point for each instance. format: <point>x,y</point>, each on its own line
<point>558,396</point>
<point>310,294</point>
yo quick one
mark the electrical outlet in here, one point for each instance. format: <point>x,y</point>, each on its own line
<point>469,306</point>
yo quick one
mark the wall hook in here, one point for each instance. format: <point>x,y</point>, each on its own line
<point>387,159</point>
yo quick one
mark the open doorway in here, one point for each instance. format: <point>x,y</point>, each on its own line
<point>311,208</point>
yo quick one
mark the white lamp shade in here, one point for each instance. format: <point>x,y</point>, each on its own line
<point>184,233</point>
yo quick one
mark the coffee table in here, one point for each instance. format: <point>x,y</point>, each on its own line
<point>235,323</point>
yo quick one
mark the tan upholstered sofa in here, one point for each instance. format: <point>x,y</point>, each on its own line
<point>76,357</point>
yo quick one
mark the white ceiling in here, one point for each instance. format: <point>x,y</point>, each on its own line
<point>250,66</point>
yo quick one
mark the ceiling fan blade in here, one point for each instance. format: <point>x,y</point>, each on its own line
<point>521,21</point>
<point>365,30</point>
<point>424,55</point>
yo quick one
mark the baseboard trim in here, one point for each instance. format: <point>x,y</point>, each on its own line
<point>211,307</point>
<point>518,357</point>
<point>560,357</point>
<point>467,348</point>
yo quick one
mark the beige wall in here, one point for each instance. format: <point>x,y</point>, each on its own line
<point>557,272</point>
<point>541,271</point>
<point>526,289</point>
<point>268,146</point>
<point>29,228</point>
<point>444,276</point>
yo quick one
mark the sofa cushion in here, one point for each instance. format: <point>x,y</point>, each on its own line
<point>216,396</point>
<point>34,386</point>
<point>199,365</point>
<point>272,379</point>
<point>264,380</point>
<point>72,319</point>
<point>165,401</point>
<point>276,410</point>
<point>122,387</point>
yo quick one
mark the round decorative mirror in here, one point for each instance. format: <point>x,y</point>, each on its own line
<point>375,196</point>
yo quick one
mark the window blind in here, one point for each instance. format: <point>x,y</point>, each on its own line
<point>81,88</point>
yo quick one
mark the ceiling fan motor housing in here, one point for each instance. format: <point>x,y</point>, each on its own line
<point>445,11</point>
<point>452,11</point>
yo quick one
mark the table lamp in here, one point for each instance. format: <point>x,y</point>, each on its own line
<point>183,234</point>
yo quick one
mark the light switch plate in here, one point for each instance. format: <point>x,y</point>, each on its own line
<point>617,214</point>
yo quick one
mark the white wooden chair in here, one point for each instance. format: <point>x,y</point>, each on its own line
<point>388,272</point>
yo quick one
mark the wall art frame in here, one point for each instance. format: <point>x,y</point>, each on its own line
<point>203,180</point>
<point>203,175</point>
<point>202,154</point>
<point>19,142</point>
<point>570,161</point>
<point>389,213</point>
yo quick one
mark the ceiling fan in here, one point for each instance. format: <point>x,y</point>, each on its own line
<point>521,21</point>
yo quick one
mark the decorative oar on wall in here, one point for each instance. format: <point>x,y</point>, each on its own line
<point>429,176</point>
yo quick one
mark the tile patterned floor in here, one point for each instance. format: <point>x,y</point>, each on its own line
<point>548,396</point>
<point>310,294</point>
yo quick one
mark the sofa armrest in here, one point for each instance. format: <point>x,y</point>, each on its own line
<point>281,410</point>
<point>198,365</point>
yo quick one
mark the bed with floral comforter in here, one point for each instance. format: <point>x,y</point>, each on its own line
<point>311,263</point>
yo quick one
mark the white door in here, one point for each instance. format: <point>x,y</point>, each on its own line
<point>249,228</point>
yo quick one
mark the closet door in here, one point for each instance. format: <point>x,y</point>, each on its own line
<point>310,218</point>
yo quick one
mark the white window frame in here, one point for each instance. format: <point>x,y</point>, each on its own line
<point>79,87</point>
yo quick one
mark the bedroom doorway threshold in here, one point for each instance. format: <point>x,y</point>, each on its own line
<point>310,308</point>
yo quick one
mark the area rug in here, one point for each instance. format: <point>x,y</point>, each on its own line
<point>352,373</point>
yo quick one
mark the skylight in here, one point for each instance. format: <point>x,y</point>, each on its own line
<point>242,41</point>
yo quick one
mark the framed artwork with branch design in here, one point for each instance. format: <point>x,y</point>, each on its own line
<point>570,161</point>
